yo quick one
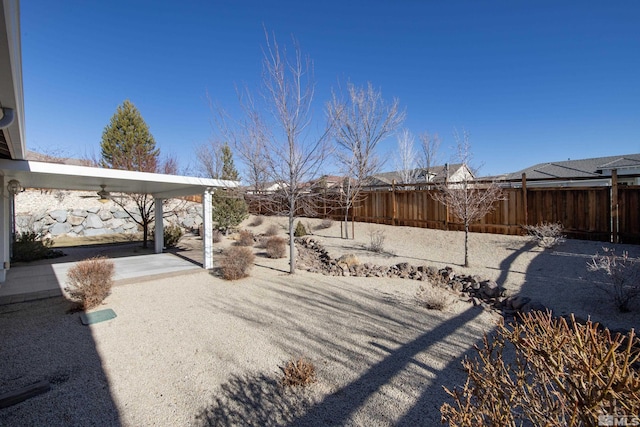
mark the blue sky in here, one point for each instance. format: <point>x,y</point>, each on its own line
<point>531,81</point>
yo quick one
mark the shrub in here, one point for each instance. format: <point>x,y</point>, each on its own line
<point>30,246</point>
<point>236,262</point>
<point>376,241</point>
<point>90,281</point>
<point>172,234</point>
<point>216,236</point>
<point>300,230</point>
<point>433,298</point>
<point>324,224</point>
<point>546,234</point>
<point>276,247</point>
<point>299,372</point>
<point>562,374</point>
<point>620,274</point>
<point>245,238</point>
<point>349,259</point>
<point>258,220</point>
<point>272,230</point>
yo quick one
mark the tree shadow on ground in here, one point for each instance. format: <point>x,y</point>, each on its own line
<point>340,407</point>
<point>254,400</point>
<point>375,354</point>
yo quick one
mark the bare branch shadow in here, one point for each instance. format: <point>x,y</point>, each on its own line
<point>254,400</point>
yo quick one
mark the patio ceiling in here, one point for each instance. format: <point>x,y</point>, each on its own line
<point>68,177</point>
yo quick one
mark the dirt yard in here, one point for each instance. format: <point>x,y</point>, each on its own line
<point>198,350</point>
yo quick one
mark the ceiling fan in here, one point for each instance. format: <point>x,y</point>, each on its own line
<point>103,194</point>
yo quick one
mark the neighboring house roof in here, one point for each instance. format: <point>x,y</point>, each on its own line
<point>435,174</point>
<point>596,167</point>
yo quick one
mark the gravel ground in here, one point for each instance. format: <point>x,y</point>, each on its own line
<point>197,350</point>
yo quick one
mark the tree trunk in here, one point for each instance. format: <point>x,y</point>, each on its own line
<point>466,244</point>
<point>292,248</point>
<point>346,223</point>
<point>145,234</point>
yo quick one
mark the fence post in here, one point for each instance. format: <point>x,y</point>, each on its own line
<point>614,206</point>
<point>524,199</point>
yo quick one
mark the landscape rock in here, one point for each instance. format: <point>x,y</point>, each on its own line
<point>60,228</point>
<point>105,215</point>
<point>75,219</point>
<point>93,221</point>
<point>59,215</point>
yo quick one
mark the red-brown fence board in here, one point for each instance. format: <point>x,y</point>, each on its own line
<point>585,212</point>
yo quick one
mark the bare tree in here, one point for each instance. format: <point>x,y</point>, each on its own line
<point>209,159</point>
<point>467,200</point>
<point>276,141</point>
<point>359,124</point>
<point>405,158</point>
<point>430,147</point>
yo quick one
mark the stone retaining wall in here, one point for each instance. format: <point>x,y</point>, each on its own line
<point>74,213</point>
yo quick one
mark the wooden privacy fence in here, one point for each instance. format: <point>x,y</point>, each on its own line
<point>607,213</point>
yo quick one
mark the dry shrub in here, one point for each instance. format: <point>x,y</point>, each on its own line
<point>299,372</point>
<point>245,238</point>
<point>258,220</point>
<point>562,374</point>
<point>433,298</point>
<point>376,241</point>
<point>216,236</point>
<point>236,262</point>
<point>90,281</point>
<point>272,230</point>
<point>546,234</point>
<point>324,224</point>
<point>349,259</point>
<point>276,247</point>
<point>620,277</point>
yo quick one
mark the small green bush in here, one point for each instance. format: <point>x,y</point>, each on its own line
<point>30,246</point>
<point>300,230</point>
<point>172,234</point>
<point>236,262</point>
<point>276,247</point>
<point>90,281</point>
<point>245,238</point>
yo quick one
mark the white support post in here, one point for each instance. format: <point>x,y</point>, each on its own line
<point>207,226</point>
<point>159,227</point>
<point>5,233</point>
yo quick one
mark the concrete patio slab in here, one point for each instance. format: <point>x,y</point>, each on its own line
<point>31,282</point>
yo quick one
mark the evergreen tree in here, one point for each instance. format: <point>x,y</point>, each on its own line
<point>229,170</point>
<point>229,206</point>
<point>127,142</point>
